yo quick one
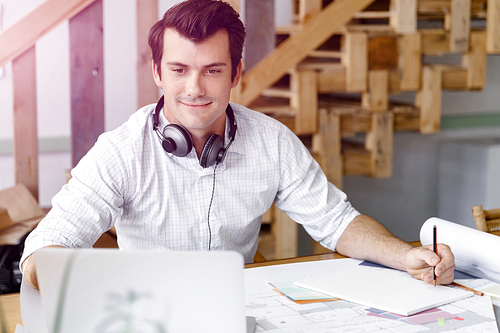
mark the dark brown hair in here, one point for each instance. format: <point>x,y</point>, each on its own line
<point>198,20</point>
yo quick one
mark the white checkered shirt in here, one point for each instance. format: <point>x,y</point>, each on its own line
<point>160,201</point>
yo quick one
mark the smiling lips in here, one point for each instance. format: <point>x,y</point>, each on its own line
<point>195,105</point>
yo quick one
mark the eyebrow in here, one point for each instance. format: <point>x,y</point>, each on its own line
<point>180,64</point>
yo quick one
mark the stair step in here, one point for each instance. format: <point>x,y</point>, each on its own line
<point>277,92</point>
<point>326,54</point>
<point>372,15</point>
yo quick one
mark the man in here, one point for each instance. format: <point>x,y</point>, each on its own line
<point>194,172</point>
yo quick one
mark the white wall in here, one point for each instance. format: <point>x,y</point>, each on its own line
<point>468,176</point>
<point>412,195</point>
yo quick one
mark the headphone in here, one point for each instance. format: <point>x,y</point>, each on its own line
<point>176,140</point>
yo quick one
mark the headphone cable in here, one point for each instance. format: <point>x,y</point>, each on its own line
<point>209,207</point>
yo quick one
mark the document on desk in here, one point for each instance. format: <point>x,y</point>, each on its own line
<point>275,313</point>
<point>383,288</point>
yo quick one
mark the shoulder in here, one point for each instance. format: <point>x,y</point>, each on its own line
<point>115,152</point>
<point>131,132</point>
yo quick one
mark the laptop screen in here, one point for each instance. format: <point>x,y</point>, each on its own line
<point>110,290</point>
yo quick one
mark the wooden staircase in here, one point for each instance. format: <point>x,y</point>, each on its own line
<point>332,73</point>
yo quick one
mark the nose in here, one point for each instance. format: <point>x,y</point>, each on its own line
<point>194,86</point>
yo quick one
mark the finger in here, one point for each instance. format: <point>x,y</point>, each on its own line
<point>442,277</point>
<point>447,259</point>
<point>430,257</point>
<point>447,276</point>
<point>445,254</point>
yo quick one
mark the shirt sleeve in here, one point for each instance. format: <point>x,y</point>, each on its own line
<point>307,197</point>
<point>87,206</point>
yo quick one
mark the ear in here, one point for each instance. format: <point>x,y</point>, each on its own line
<point>237,77</point>
<point>156,75</point>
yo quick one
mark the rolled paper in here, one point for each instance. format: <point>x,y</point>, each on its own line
<point>474,247</point>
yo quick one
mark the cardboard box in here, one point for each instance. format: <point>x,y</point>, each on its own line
<point>19,214</point>
<point>5,220</point>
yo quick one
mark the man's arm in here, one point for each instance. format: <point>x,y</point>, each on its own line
<point>365,238</point>
<point>29,269</point>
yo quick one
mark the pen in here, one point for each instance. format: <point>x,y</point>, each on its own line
<point>434,244</point>
<point>467,288</point>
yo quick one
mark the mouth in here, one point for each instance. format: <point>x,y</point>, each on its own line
<point>195,105</point>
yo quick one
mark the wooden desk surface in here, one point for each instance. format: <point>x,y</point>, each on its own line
<point>11,307</point>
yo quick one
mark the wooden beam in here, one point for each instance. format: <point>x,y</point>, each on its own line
<point>356,61</point>
<point>404,16</point>
<point>376,98</point>
<point>383,52</point>
<point>308,9</point>
<point>406,121</point>
<point>147,15</point>
<point>327,143</point>
<point>435,41</point>
<point>23,35</point>
<point>475,60</point>
<point>331,80</point>
<point>286,233</point>
<point>410,61</point>
<point>87,79</point>
<point>493,27</point>
<point>460,25</point>
<point>356,160</point>
<point>355,122</point>
<point>304,101</point>
<point>379,141</point>
<point>293,50</point>
<point>454,78</point>
<point>395,77</point>
<point>428,99</point>
<point>25,121</point>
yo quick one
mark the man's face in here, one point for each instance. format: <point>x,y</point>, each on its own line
<point>196,81</point>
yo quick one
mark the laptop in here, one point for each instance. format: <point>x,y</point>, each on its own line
<point>110,290</point>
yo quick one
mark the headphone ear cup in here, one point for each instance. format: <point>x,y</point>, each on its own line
<point>209,154</point>
<point>177,140</point>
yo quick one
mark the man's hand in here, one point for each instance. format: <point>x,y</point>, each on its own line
<point>29,272</point>
<point>419,262</point>
<point>365,238</point>
<point>29,269</point>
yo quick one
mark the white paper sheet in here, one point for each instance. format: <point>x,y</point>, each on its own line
<point>476,252</point>
<point>383,288</point>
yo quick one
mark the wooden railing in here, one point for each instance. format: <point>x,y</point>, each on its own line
<point>23,35</point>
<point>295,49</point>
<point>17,44</point>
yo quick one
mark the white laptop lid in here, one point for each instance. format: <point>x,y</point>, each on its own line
<point>109,290</point>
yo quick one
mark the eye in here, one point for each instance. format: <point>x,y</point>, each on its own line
<point>213,71</point>
<point>179,70</point>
